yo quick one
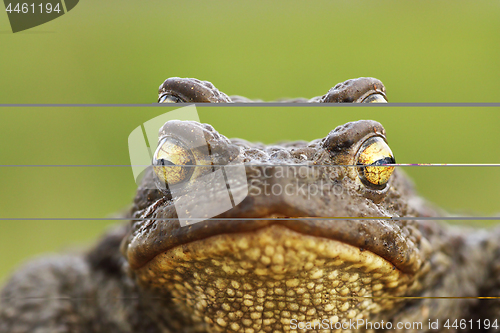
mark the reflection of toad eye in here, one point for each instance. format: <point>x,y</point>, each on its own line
<point>375,98</point>
<point>170,99</point>
<point>173,162</point>
<point>372,155</point>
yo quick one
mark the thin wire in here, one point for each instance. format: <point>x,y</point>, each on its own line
<point>261,104</point>
<point>399,218</point>
<point>208,298</point>
<point>247,165</point>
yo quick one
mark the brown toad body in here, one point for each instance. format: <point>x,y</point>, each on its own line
<point>331,248</point>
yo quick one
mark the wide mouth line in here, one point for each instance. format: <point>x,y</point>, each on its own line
<point>204,231</point>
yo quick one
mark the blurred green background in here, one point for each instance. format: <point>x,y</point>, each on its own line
<point>121,51</point>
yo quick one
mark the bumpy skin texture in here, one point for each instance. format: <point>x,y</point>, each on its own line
<point>254,275</point>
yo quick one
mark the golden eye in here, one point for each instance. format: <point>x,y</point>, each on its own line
<point>375,98</point>
<point>170,99</point>
<point>373,155</point>
<point>173,162</point>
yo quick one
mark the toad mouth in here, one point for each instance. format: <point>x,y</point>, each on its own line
<point>242,277</point>
<point>383,238</point>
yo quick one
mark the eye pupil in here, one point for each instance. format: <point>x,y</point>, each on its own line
<point>384,161</point>
<point>164,162</point>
